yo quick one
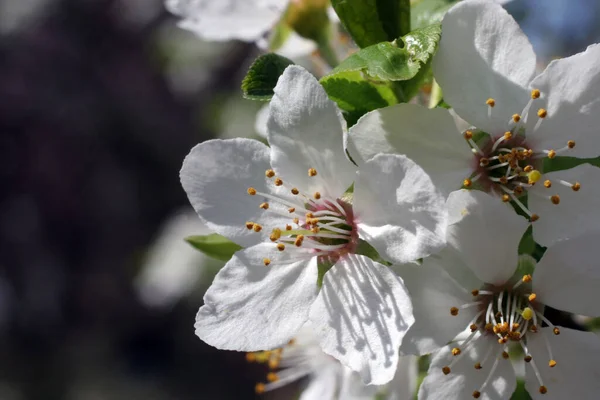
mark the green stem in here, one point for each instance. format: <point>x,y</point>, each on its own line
<point>327,51</point>
<point>436,95</point>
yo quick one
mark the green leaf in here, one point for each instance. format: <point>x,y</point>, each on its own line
<point>214,245</point>
<point>561,163</point>
<point>427,12</point>
<point>389,62</point>
<point>355,95</point>
<point>373,21</point>
<point>263,75</point>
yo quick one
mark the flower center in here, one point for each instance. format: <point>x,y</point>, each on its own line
<point>318,225</point>
<point>510,315</point>
<point>507,164</point>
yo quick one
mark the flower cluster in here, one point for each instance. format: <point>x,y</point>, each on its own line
<point>401,236</point>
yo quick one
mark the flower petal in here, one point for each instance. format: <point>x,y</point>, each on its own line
<point>577,211</point>
<point>216,176</point>
<point>398,209</point>
<point>567,277</point>
<point>571,92</point>
<point>305,131</point>
<point>404,384</point>
<point>434,288</point>
<point>250,307</point>
<point>484,54</point>
<point>464,379</point>
<point>361,315</point>
<point>487,232</point>
<point>323,384</point>
<point>245,20</point>
<point>576,373</point>
<point>353,388</point>
<point>428,137</point>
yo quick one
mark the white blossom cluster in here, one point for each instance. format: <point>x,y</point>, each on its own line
<point>400,236</point>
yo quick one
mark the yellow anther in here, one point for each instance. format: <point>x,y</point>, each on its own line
<point>507,136</point>
<point>266,261</point>
<point>576,186</point>
<point>454,311</point>
<point>489,327</point>
<point>527,358</point>
<point>484,162</point>
<point>551,154</point>
<point>490,102</point>
<point>455,351</point>
<point>280,246</point>
<point>527,313</point>
<point>273,363</point>
<point>259,388</point>
<point>250,357</point>
<point>552,363</point>
<point>532,297</point>
<point>473,327</point>
<point>312,172</point>
<point>251,191</point>
<point>467,183</point>
<point>256,227</point>
<point>291,210</point>
<point>299,240</point>
<point>315,229</point>
<point>542,113</point>
<point>503,180</point>
<point>533,328</point>
<point>468,135</point>
<point>527,278</point>
<point>477,365</point>
<point>534,217</point>
<point>309,215</point>
<point>269,173</point>
<point>528,168</point>
<point>317,195</point>
<point>535,94</point>
<point>446,370</point>
<point>498,315</point>
<point>288,227</point>
<point>534,176</point>
<point>295,191</point>
<point>476,394</point>
<point>278,182</point>
<point>272,377</point>
<point>547,184</point>
<point>516,117</point>
<point>518,190</point>
<point>296,221</point>
<point>555,199</point>
<point>556,331</point>
<point>249,225</point>
<point>275,234</point>
<point>502,340</point>
<point>475,292</point>
<point>505,198</point>
<point>571,144</point>
<point>543,389</point>
<point>264,206</point>
<point>505,355</point>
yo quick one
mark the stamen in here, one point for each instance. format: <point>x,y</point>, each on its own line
<point>270,173</point>
<point>490,102</point>
<point>542,113</point>
<point>312,172</point>
<point>264,206</point>
<point>555,199</point>
<point>516,118</point>
<point>266,261</point>
<point>251,191</point>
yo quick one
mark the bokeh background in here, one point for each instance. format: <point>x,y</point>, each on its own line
<point>100,101</point>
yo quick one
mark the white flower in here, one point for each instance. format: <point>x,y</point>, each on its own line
<point>326,378</point>
<point>475,304</point>
<point>486,66</point>
<point>286,205</point>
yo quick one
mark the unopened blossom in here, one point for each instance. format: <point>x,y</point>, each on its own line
<point>325,378</point>
<point>486,68</point>
<point>254,21</point>
<point>477,302</point>
<point>287,204</point>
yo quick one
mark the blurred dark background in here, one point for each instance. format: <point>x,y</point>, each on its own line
<point>100,100</point>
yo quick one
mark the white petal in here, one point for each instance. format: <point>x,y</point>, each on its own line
<point>404,384</point>
<point>361,315</point>
<point>260,123</point>
<point>441,282</point>
<point>353,388</point>
<point>305,131</point>
<point>463,378</point>
<point>487,232</point>
<point>567,277</point>
<point>484,54</point>
<point>296,46</point>
<point>571,94</point>
<point>398,209</point>
<point>216,176</point>
<point>577,212</point>
<point>250,307</point>
<point>576,374</point>
<point>245,20</point>
<point>322,385</point>
<point>428,137</point>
